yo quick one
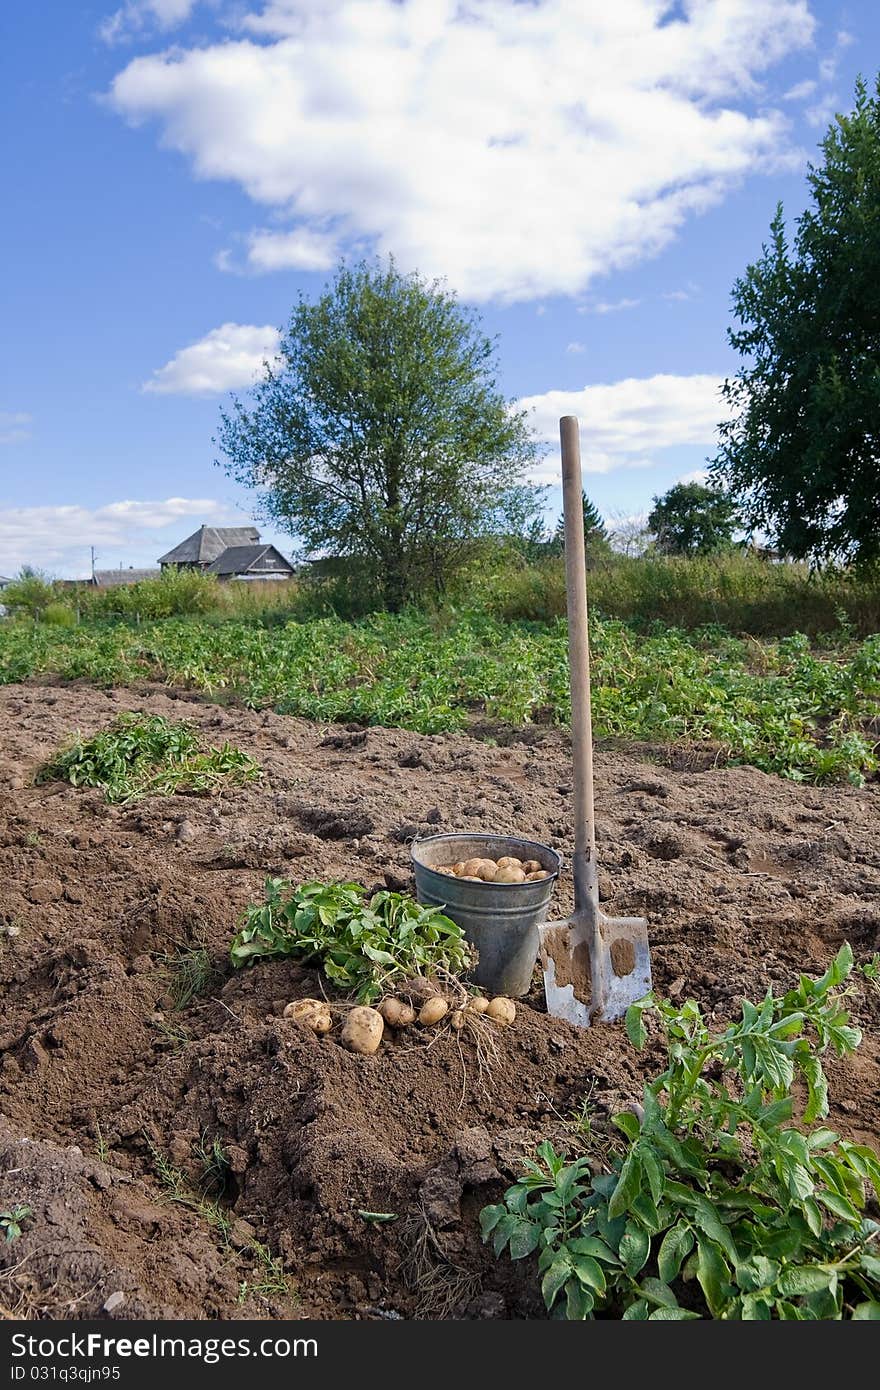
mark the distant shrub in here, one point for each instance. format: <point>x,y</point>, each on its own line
<point>174,594</point>
<point>29,594</point>
<point>741,593</point>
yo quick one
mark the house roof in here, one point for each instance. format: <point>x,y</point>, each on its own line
<point>208,543</point>
<point>239,559</point>
<point>111,579</point>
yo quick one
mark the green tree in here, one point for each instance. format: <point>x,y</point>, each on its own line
<point>692,519</point>
<point>380,434</point>
<point>594,526</point>
<point>802,443</point>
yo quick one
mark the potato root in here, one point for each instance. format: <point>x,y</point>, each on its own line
<point>310,1013</point>
<point>362,1030</point>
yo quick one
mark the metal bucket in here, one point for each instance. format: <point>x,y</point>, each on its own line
<point>500,919</point>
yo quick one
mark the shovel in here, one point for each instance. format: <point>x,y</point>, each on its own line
<point>594,966</point>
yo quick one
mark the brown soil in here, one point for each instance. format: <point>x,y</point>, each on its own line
<point>745,879</point>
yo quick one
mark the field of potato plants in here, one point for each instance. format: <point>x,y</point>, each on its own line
<point>245,1074</point>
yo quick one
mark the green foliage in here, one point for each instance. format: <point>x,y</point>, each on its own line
<point>216,1170</point>
<point>146,755</point>
<point>596,542</point>
<point>716,1205</point>
<point>780,707</point>
<point>11,1221</point>
<point>382,434</point>
<point>58,615</point>
<point>29,595</point>
<point>800,445</point>
<point>172,594</point>
<point>361,946</point>
<point>691,519</point>
<point>192,974</point>
<point>734,590</point>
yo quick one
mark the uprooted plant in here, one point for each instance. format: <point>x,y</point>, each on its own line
<point>716,1206</point>
<point>362,945</point>
<point>148,755</point>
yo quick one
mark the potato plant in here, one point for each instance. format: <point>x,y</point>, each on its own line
<point>147,755</point>
<point>362,945</point>
<point>716,1205</point>
<point>779,706</point>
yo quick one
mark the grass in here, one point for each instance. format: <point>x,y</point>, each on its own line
<point>783,706</point>
<point>739,592</point>
<point>216,1169</point>
<point>269,1277</point>
<point>147,755</point>
<point>192,974</point>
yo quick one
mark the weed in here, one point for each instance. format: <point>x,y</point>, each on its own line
<point>192,974</point>
<point>33,840</point>
<point>174,1034</point>
<point>101,1146</point>
<point>718,1206</point>
<point>146,755</point>
<point>11,1221</point>
<point>870,971</point>
<point>270,1278</point>
<point>216,1169</point>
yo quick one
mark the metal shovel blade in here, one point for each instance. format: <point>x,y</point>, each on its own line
<point>594,969</point>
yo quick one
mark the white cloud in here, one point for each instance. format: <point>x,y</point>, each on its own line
<point>135,16</point>
<point>58,538</point>
<point>696,475</point>
<point>301,249</point>
<point>575,347</point>
<point>680,295</point>
<point>605,306</point>
<point>801,90</point>
<point>226,358</point>
<point>625,423</point>
<point>518,149</point>
<point>14,426</point>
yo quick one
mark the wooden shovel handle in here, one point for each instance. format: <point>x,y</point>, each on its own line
<point>586,884</point>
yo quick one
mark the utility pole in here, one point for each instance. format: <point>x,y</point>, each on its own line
<point>92,549</point>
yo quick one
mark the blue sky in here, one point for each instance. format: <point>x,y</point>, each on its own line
<point>591,178</point>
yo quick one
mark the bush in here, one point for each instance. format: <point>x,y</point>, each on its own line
<point>28,595</point>
<point>174,594</point>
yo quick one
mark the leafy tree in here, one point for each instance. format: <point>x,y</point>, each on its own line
<point>380,434</point>
<point>692,519</point>
<point>802,444</point>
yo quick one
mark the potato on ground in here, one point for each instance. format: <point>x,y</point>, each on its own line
<point>432,1011</point>
<point>362,1030</point>
<point>502,1010</point>
<point>397,1012</point>
<point>310,1013</point>
<point>478,1004</point>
